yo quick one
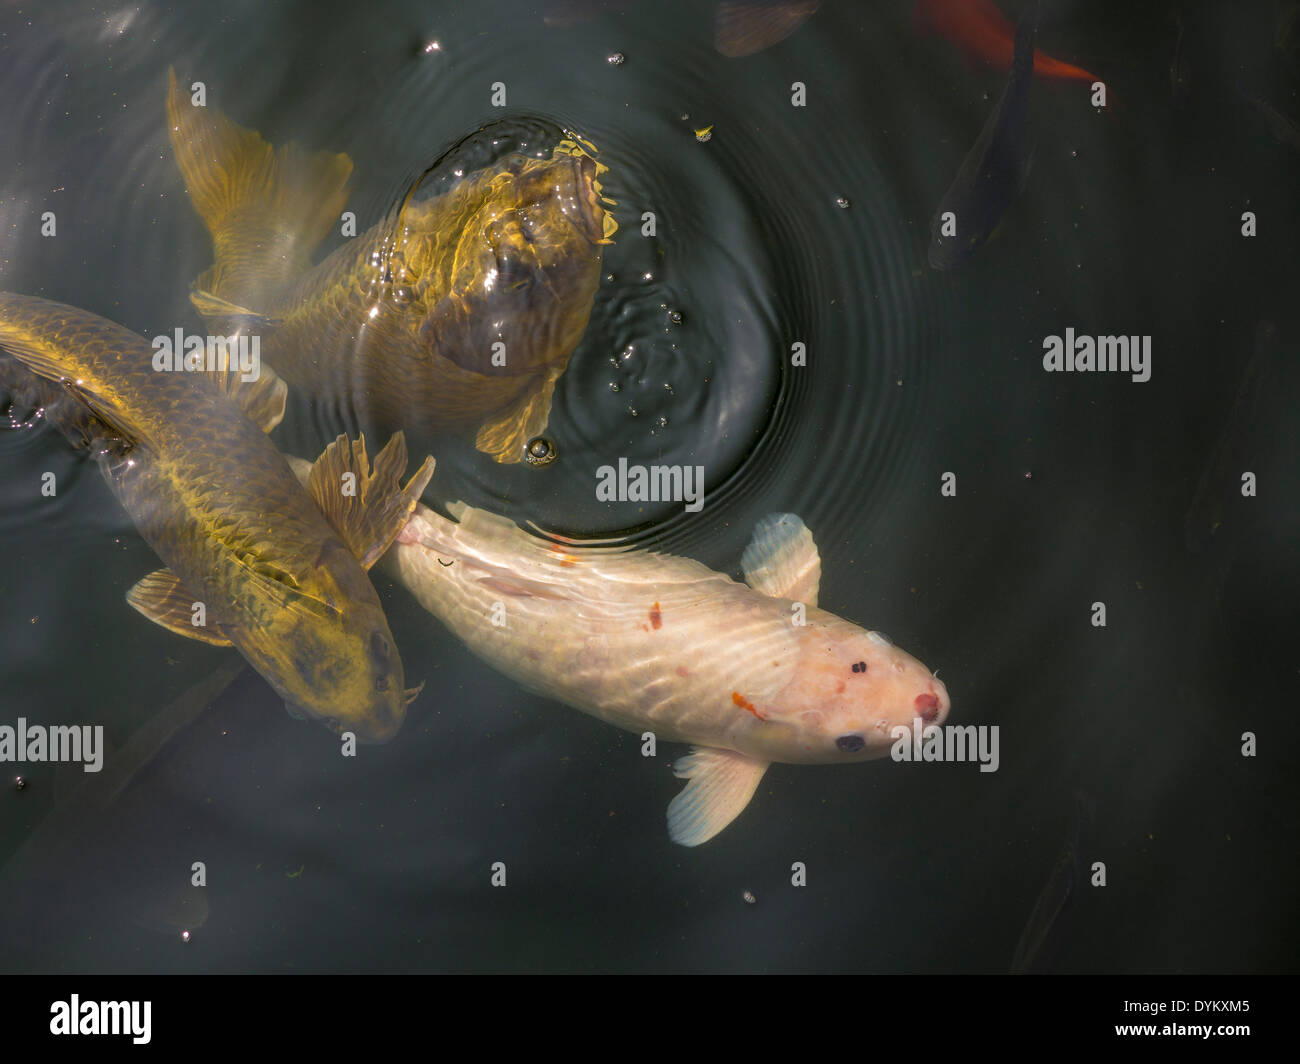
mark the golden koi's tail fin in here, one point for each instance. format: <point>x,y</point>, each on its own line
<point>366,507</point>
<point>267,208</point>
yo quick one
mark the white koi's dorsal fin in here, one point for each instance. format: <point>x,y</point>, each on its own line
<point>721,784</point>
<point>162,598</point>
<point>781,560</point>
<point>369,517</point>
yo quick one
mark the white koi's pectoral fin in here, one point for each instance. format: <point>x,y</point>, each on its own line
<point>721,784</point>
<point>782,561</point>
<point>366,507</point>
<point>162,598</point>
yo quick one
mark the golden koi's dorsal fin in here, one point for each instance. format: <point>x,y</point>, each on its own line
<point>266,208</point>
<point>781,560</point>
<point>721,784</point>
<point>162,598</point>
<point>367,508</point>
<point>504,436</point>
<point>262,398</point>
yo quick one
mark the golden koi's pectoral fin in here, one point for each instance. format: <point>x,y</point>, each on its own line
<point>162,598</point>
<point>782,561</point>
<point>216,310</point>
<point>266,208</point>
<point>721,784</point>
<point>366,507</point>
<point>258,391</point>
<point>506,434</point>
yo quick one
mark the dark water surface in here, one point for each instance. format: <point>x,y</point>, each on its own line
<point>1119,745</point>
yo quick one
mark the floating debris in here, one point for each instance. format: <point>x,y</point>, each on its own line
<point>704,134</point>
<point>749,898</point>
<point>843,203</point>
<point>616,59</point>
<point>675,316</point>
<point>19,782</point>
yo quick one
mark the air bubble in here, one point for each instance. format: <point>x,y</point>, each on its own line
<point>540,451</point>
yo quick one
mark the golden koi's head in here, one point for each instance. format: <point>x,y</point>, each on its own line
<point>501,271</point>
<point>850,689</point>
<point>333,658</point>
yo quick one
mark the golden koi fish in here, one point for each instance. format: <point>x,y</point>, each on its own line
<point>280,573</point>
<point>460,313</point>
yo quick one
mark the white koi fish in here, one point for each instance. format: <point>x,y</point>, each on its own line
<point>652,642</point>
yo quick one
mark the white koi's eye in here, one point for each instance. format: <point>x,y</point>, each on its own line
<point>880,639</point>
<point>850,744</point>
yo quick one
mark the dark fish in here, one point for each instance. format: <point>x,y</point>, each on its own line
<point>187,455</point>
<point>51,858</point>
<point>1180,68</point>
<point>1242,436</point>
<point>1284,130</point>
<point>80,813</point>
<point>1046,925</point>
<point>740,27</point>
<point>994,170</point>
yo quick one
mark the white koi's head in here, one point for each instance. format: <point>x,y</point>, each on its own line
<point>850,689</point>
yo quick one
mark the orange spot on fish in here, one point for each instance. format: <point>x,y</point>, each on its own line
<point>565,559</point>
<point>745,704</point>
<point>656,618</point>
<point>682,670</point>
<point>839,688</point>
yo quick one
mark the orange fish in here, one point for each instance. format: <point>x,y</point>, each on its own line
<point>984,32</point>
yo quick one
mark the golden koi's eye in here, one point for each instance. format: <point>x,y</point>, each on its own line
<point>379,646</point>
<point>381,684</point>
